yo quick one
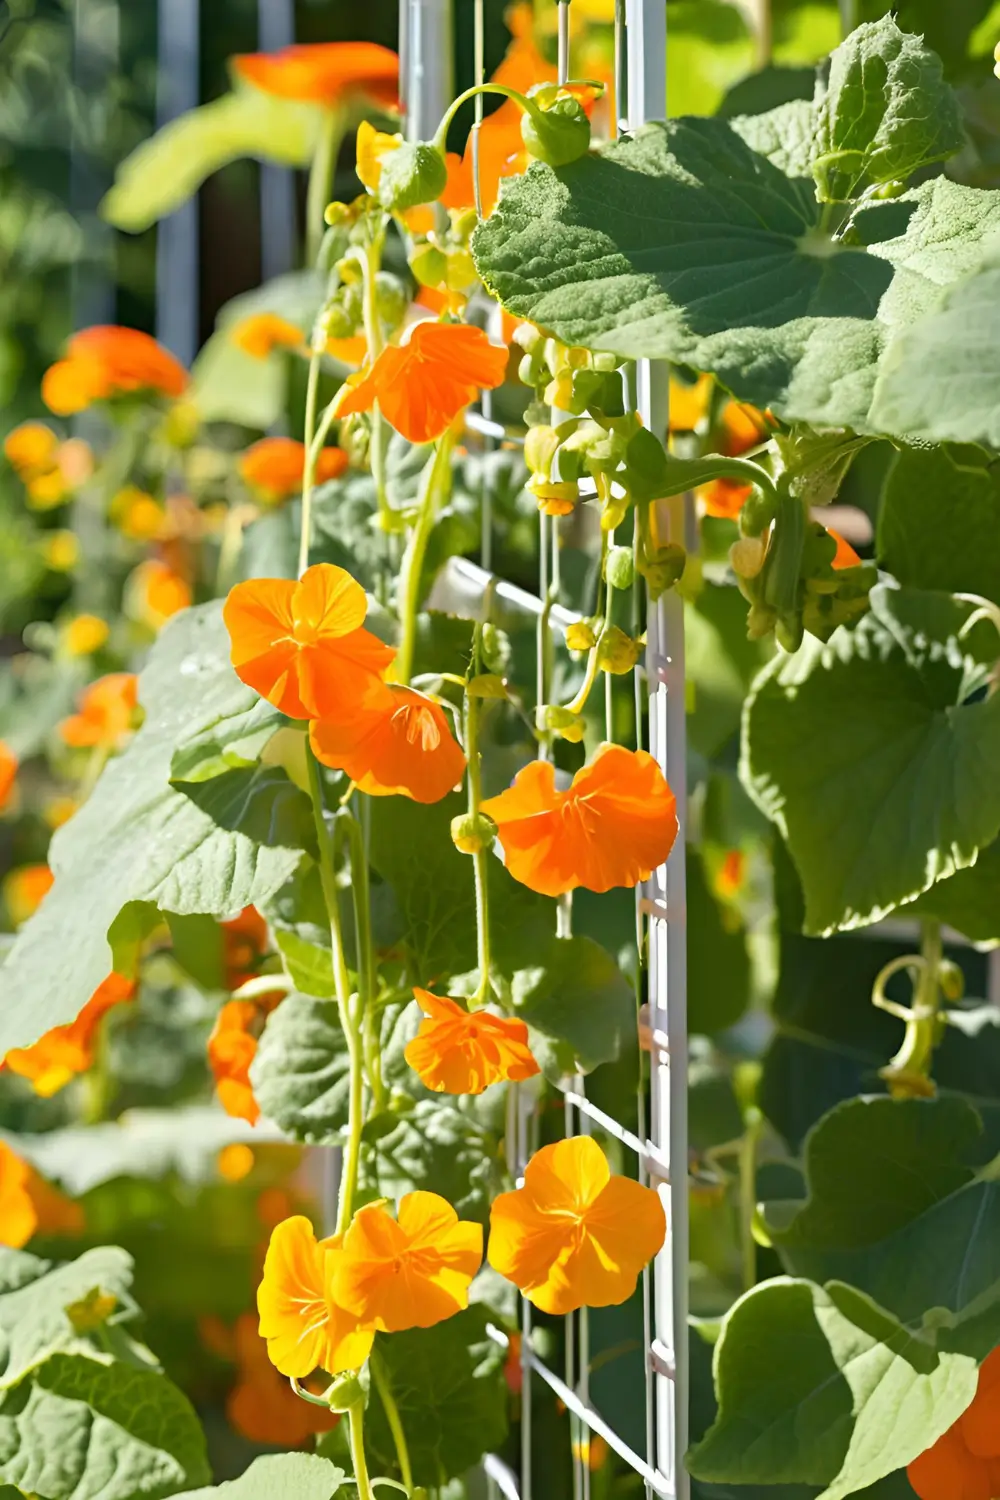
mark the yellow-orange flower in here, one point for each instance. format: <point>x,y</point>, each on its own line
<point>24,890</point>
<point>156,592</point>
<point>138,515</point>
<point>573,1235</point>
<point>614,825</point>
<point>305,1325</point>
<point>845,555</point>
<point>964,1464</point>
<point>400,743</point>
<point>8,773</point>
<point>31,449</point>
<point>724,498</point>
<point>66,1051</point>
<point>409,1272</point>
<point>456,1052</point>
<point>689,403</point>
<point>107,361</point>
<point>235,1161</point>
<point>262,333</point>
<point>84,634</point>
<point>262,1405</point>
<point>232,1047</point>
<point>29,1205</point>
<point>324,72</point>
<point>369,150</point>
<point>61,550</point>
<point>423,384</point>
<point>106,711</point>
<point>245,941</point>
<point>743,427</point>
<point>303,645</point>
<point>49,469</point>
<point>273,468</point>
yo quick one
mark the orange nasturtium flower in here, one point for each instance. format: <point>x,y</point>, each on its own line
<point>964,1464</point>
<point>106,361</point>
<point>423,384</point>
<point>261,1405</point>
<point>30,1205</point>
<point>458,1052</point>
<point>324,72</point>
<point>400,743</point>
<point>614,825</point>
<point>106,710</point>
<point>24,890</point>
<point>743,427</point>
<point>845,556</point>
<point>245,941</point>
<point>8,773</point>
<point>273,468</point>
<point>307,1328</point>
<point>138,515</point>
<point>82,635</point>
<point>155,592</point>
<point>573,1235</point>
<point>409,1272</point>
<point>262,333</point>
<point>66,1051</point>
<point>303,646</point>
<point>232,1047</point>
<point>31,449</point>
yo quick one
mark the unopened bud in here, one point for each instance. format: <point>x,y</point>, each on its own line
<point>552,718</point>
<point>617,652</point>
<point>557,134</point>
<point>580,636</point>
<point>494,645</point>
<point>429,264</point>
<point>746,557</point>
<point>619,569</point>
<point>472,833</point>
<point>952,981</point>
<point>413,174</point>
<point>345,1392</point>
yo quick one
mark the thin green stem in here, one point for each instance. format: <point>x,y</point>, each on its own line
<point>311,455</point>
<point>392,1417</point>
<point>320,180</point>
<point>748,1196</point>
<point>579,703</point>
<point>528,105</point>
<point>479,858</point>
<point>909,1072</point>
<point>370,260</point>
<point>436,486</point>
<point>356,1421</point>
<point>230,547</point>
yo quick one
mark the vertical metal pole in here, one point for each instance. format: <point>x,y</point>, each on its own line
<point>177,236</point>
<point>96,44</point>
<point>645,52</point>
<point>427,43</point>
<point>276,29</point>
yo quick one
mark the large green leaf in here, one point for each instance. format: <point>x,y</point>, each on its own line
<point>822,1386</point>
<point>939,380</point>
<point>84,1430</point>
<point>883,111</point>
<point>34,1323</point>
<point>939,521</point>
<point>578,1003</point>
<point>870,759</point>
<point>165,170</point>
<point>448,1384</point>
<point>435,1148</point>
<point>280,1476</point>
<point>969,900</point>
<point>212,847</point>
<point>682,243</point>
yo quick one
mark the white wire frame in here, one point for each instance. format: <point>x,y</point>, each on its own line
<point>661,1157</point>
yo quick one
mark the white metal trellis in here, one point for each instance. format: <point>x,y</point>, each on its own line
<point>178,90</point>
<point>640,51</point>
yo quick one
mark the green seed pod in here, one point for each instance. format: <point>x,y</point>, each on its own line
<point>559,134</point>
<point>952,981</point>
<point>756,514</point>
<point>617,652</point>
<point>336,322</point>
<point>473,832</point>
<point>345,1392</point>
<point>619,569</point>
<point>412,174</point>
<point>429,264</point>
<point>391,299</point>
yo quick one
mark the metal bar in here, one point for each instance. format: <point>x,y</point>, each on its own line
<point>429,84</point>
<point>276,29</point>
<point>500,1475</point>
<point>96,47</point>
<point>177,235</point>
<point>651,1155</point>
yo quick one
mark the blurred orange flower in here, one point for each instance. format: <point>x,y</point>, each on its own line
<point>31,449</point>
<point>423,384</point>
<point>273,468</point>
<point>24,890</point>
<point>49,469</point>
<point>82,635</point>
<point>106,711</point>
<point>235,1161</point>
<point>262,333</point>
<point>743,427</point>
<point>400,743</point>
<point>107,361</point>
<point>138,515</point>
<point>689,403</point>
<point>723,498</point>
<point>501,154</point>
<point>324,72</point>
<point>458,1053</point>
<point>616,823</point>
<point>409,1272</point>
<point>964,1464</point>
<point>29,1205</point>
<point>262,1405</point>
<point>66,1051</point>
<point>8,773</point>
<point>731,874</point>
<point>303,646</point>
<point>305,1325</point>
<point>157,592</point>
<point>845,556</point>
<point>573,1235</point>
<point>232,1047</point>
<point>245,941</point>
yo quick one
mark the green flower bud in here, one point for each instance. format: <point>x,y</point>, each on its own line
<point>336,214</point>
<point>553,719</point>
<point>391,299</point>
<point>617,652</point>
<point>494,646</point>
<point>429,264</point>
<point>619,569</point>
<point>336,322</point>
<point>757,513</point>
<point>952,981</point>
<point>558,134</point>
<point>746,557</point>
<point>412,174</point>
<point>345,1392</point>
<point>472,833</point>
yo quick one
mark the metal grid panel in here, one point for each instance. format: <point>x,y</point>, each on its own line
<point>640,50</point>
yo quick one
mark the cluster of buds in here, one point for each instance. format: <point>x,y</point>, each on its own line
<point>340,258</point>
<point>442,259</point>
<point>573,380</point>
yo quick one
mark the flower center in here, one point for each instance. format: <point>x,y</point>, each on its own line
<point>420,727</point>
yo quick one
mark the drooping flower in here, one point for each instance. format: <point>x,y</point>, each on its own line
<point>105,362</point>
<point>324,73</point>
<point>66,1051</point>
<point>273,468</point>
<point>456,1052</point>
<point>8,773</point>
<point>105,713</point>
<point>964,1464</point>
<point>409,1272</point>
<point>845,556</point>
<point>29,1205</point>
<point>401,744</point>
<point>262,1405</point>
<point>304,1322</point>
<point>232,1047</point>
<point>303,645</point>
<point>24,889</point>
<point>614,825</point>
<point>574,1235</point>
<point>422,385</point>
<point>262,333</point>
